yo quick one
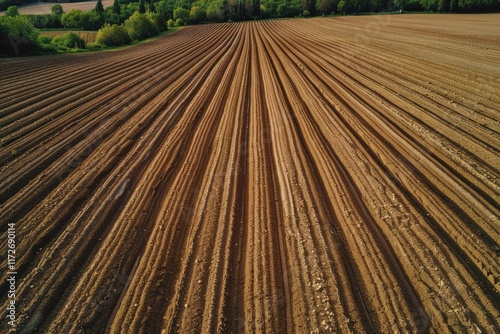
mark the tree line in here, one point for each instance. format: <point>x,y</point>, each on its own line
<point>236,10</point>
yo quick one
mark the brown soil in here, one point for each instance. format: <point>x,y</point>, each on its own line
<point>317,175</point>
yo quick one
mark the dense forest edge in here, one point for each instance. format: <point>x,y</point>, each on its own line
<point>127,21</point>
<point>222,10</point>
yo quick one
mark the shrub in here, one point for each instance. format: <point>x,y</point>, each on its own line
<point>93,46</point>
<point>113,35</point>
<point>179,22</point>
<point>69,40</point>
<point>48,48</point>
<point>44,39</point>
<point>170,23</point>
<point>140,26</point>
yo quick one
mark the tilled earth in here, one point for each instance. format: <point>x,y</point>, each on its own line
<point>315,175</point>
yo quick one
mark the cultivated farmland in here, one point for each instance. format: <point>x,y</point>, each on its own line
<point>319,175</point>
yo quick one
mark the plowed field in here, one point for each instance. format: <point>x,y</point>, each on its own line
<point>318,175</point>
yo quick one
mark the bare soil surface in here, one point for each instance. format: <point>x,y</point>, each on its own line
<point>307,176</point>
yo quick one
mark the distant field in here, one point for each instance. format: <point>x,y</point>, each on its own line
<point>39,8</point>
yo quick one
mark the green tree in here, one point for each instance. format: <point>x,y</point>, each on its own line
<point>77,19</point>
<point>12,11</point>
<point>377,5</point>
<point>39,21</point>
<point>349,6</point>
<point>99,8</point>
<point>5,45</point>
<point>45,21</point>
<point>116,7</point>
<point>197,14</point>
<point>429,5</point>
<point>163,10</point>
<point>341,6</point>
<point>443,5</point>
<point>57,9</point>
<point>310,6</point>
<point>265,12</point>
<point>400,4</point>
<point>17,35</point>
<point>160,23</point>
<point>129,9</point>
<point>283,10</point>
<point>72,19</point>
<point>91,20</point>
<point>255,8</point>
<point>140,26</point>
<point>327,6</point>
<point>142,7</point>
<point>215,12</point>
<point>181,13</point>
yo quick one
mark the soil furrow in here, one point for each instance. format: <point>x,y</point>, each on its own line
<point>288,176</point>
